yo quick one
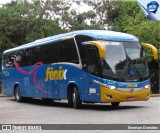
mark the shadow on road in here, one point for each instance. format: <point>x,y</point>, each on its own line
<point>100,107</point>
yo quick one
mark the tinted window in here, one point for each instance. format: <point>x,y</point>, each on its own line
<point>37,54</point>
<point>27,61</point>
<point>8,60</point>
<point>51,52</point>
<point>22,57</point>
<point>68,51</point>
<point>82,48</point>
<point>19,57</point>
<point>92,61</point>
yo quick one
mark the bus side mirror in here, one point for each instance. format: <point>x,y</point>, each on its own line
<point>99,45</point>
<point>84,66</point>
<point>153,48</point>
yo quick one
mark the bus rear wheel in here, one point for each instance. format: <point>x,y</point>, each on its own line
<point>47,100</point>
<point>17,94</point>
<point>115,104</point>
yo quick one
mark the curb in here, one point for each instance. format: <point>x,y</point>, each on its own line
<point>1,95</point>
<point>155,95</point>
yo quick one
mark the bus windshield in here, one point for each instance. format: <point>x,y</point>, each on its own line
<point>124,61</point>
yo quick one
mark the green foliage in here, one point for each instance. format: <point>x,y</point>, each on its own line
<point>132,20</point>
<point>23,22</point>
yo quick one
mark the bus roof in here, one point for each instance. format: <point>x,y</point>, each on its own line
<point>97,34</point>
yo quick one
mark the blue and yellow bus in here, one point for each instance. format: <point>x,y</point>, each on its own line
<point>86,66</point>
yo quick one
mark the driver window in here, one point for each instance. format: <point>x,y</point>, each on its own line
<point>92,65</point>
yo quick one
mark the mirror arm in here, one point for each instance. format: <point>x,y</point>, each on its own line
<point>153,48</point>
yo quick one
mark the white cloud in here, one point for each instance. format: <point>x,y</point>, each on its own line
<point>5,1</point>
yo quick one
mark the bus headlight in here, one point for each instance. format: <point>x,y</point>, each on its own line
<point>105,85</point>
<point>111,87</point>
<point>147,86</point>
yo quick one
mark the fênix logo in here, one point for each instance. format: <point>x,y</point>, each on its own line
<point>152,6</point>
<point>52,74</point>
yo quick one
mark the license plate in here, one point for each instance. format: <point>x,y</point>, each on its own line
<point>130,98</point>
<point>132,85</point>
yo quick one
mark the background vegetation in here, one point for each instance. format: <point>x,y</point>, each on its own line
<point>24,21</point>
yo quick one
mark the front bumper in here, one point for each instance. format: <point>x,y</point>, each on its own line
<point>108,95</point>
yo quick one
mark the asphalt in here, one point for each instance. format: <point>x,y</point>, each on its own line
<point>152,95</point>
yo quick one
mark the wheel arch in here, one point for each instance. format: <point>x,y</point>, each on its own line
<point>70,87</point>
<point>15,85</point>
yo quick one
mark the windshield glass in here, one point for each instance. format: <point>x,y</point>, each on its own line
<point>124,60</point>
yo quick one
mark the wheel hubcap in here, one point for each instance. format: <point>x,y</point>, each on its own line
<point>73,96</point>
<point>17,94</point>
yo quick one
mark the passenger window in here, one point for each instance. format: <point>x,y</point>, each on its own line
<point>51,52</point>
<point>28,59</point>
<point>82,48</point>
<point>8,60</point>
<point>37,54</point>
<point>20,57</point>
<point>68,51</point>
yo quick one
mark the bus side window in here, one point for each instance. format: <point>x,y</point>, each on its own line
<point>20,57</point>
<point>8,61</point>
<point>92,61</point>
<point>37,54</point>
<point>24,57</point>
<point>82,49</point>
<point>28,61</point>
<point>51,52</point>
<point>68,51</point>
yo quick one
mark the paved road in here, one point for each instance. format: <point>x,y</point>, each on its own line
<point>38,112</point>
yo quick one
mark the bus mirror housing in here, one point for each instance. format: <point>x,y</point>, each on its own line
<point>153,48</point>
<point>99,45</point>
<point>85,66</point>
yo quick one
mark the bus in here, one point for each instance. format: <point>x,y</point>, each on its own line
<point>85,66</point>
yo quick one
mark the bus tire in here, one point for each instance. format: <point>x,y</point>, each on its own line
<point>70,99</point>
<point>115,104</point>
<point>47,100</point>
<point>17,94</point>
<point>76,98</point>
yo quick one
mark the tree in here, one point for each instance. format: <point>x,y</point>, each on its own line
<point>23,22</point>
<point>132,20</point>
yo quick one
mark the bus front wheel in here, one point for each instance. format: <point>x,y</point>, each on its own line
<point>74,98</point>
<point>17,94</point>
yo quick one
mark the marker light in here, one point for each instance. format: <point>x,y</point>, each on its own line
<point>147,86</point>
<point>111,87</point>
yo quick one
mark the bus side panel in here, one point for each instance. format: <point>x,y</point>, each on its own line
<point>92,90</point>
<point>51,81</point>
<point>71,74</point>
<point>7,80</point>
<point>31,85</point>
<point>37,84</point>
<point>89,91</point>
